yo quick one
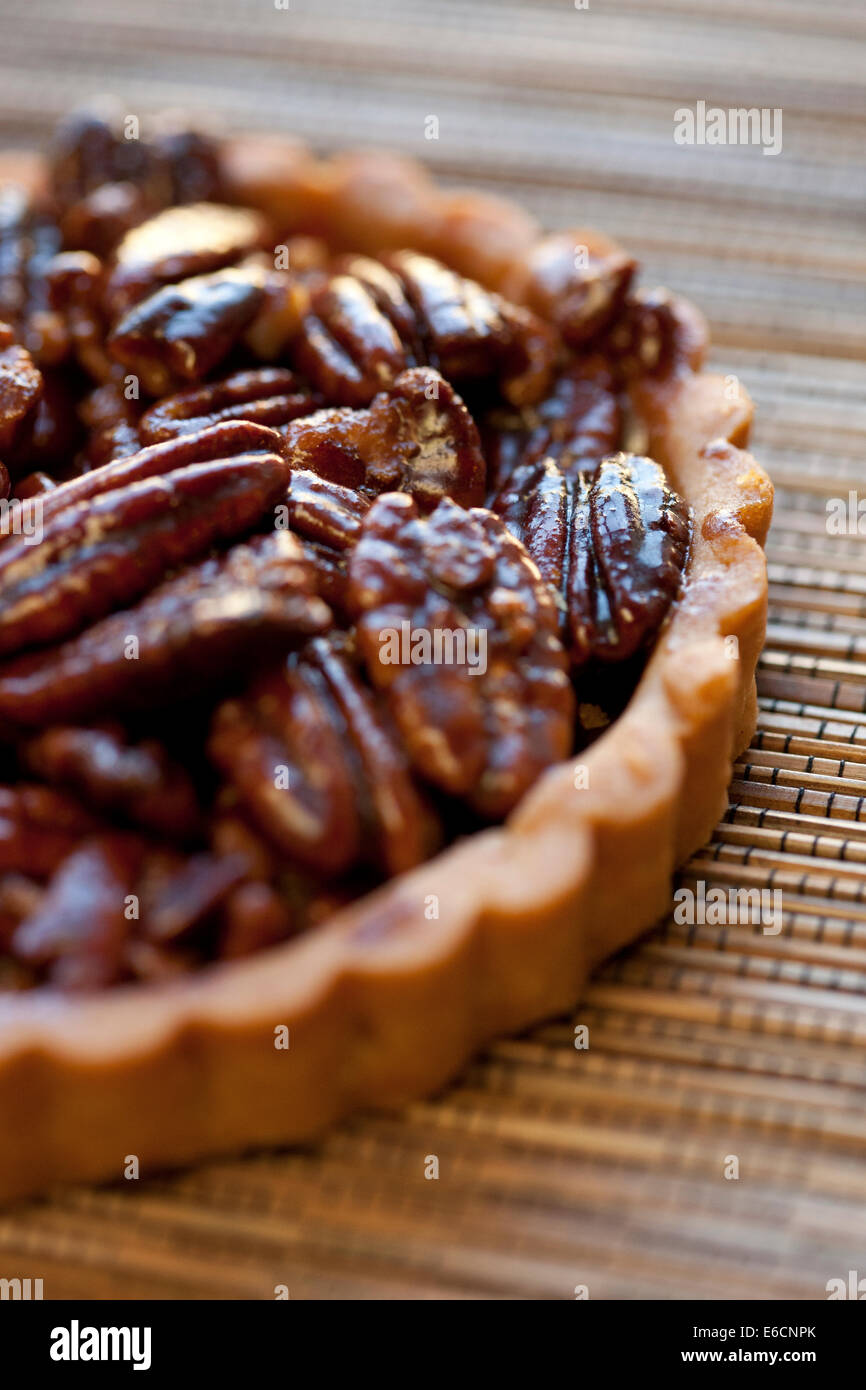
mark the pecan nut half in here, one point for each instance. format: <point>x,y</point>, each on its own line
<point>179,244</point>
<point>103,217</point>
<point>98,554</point>
<point>54,439</point>
<point>347,346</point>
<point>21,388</point>
<point>326,518</point>
<point>190,632</point>
<point>275,900</point>
<point>116,907</point>
<point>27,244</point>
<point>100,765</point>
<point>417,437</point>
<point>191,158</point>
<point>181,332</point>
<point>225,441</point>
<point>103,184</point>
<point>579,288</point>
<point>485,715</point>
<point>612,545</point>
<point>186,892</point>
<point>657,334</point>
<point>270,396</point>
<point>111,420</point>
<point>87,151</point>
<point>39,827</point>
<point>74,286</point>
<point>374,319</point>
<point>469,333</point>
<point>311,757</point>
<point>421,439</point>
<point>576,425</point>
<point>80,928</point>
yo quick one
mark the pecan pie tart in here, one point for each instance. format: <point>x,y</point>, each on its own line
<point>381,588</point>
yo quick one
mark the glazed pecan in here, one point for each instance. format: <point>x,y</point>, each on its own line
<point>97,555</point>
<point>103,217</point>
<point>372,320</point>
<point>226,441</point>
<point>74,281</point>
<point>457,627</point>
<point>278,319</point>
<point>27,244</point>
<point>576,425</point>
<point>180,333</point>
<point>421,439</point>
<point>89,150</point>
<point>322,511</point>
<point>347,347</point>
<point>184,891</point>
<point>388,293</point>
<point>20,392</point>
<point>268,396</point>
<point>112,421</point>
<point>78,932</point>
<point>579,288</point>
<point>55,437</point>
<point>39,827</point>
<point>275,901</point>
<point>191,159</point>
<point>312,759</point>
<point>327,443</point>
<point>232,833</point>
<point>105,181</point>
<point>613,545</point>
<point>178,244</point>
<point>186,286</point>
<point>657,334</point>
<point>190,632</point>
<point>116,906</point>
<point>112,775</point>
<point>417,437</point>
<point>469,332</point>
<point>327,520</point>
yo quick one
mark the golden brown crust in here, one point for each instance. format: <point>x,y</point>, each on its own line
<point>388,1000</point>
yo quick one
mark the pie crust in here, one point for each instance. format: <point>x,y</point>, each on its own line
<point>387,1001</point>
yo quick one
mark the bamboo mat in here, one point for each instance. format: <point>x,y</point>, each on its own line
<point>560,1167</point>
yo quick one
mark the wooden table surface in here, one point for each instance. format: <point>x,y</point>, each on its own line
<point>560,1167</point>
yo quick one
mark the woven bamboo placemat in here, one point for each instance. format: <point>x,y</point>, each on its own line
<point>560,1167</point>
